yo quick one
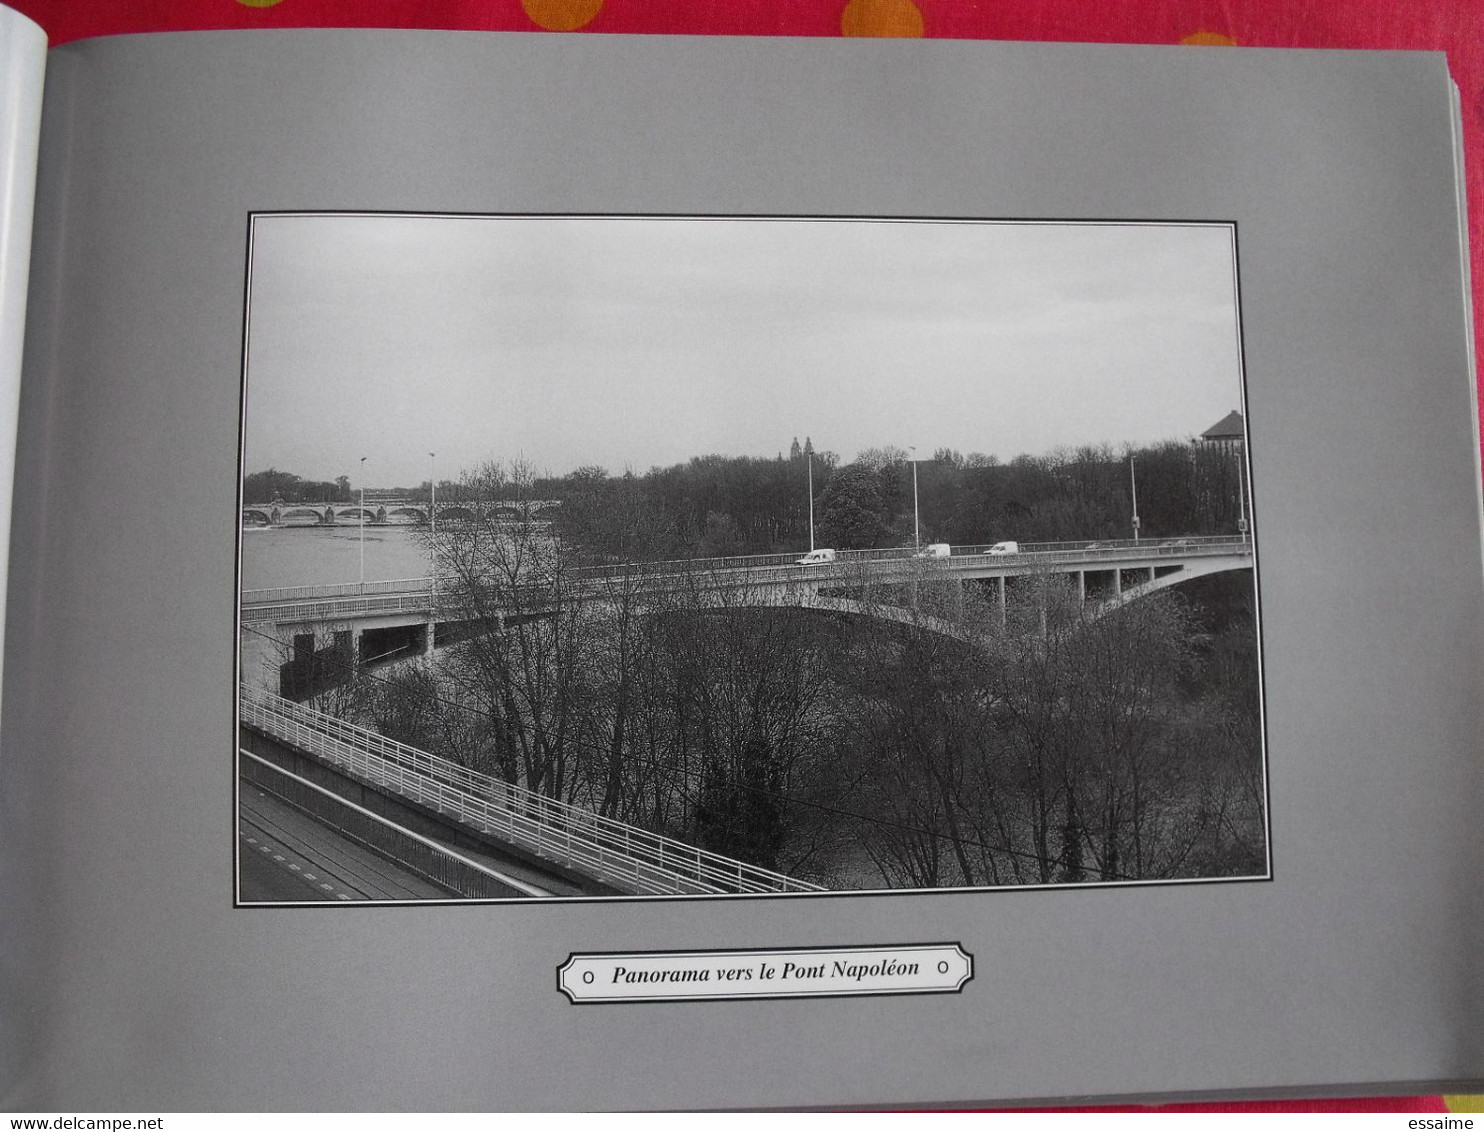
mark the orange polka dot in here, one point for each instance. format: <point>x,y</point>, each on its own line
<point>561,15</point>
<point>259,3</point>
<point>1209,39</point>
<point>881,17</point>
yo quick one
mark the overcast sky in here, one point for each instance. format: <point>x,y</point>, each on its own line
<point>631,343</point>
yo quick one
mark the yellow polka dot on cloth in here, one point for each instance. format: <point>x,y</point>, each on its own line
<point>259,3</point>
<point>1209,39</point>
<point>561,15</point>
<point>881,17</point>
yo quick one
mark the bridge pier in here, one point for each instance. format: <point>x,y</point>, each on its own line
<point>258,660</point>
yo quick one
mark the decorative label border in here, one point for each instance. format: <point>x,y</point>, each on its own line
<point>591,978</point>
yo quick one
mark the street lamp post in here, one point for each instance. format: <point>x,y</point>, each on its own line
<point>1133,486</point>
<point>809,456</point>
<point>1242,523</point>
<point>433,518</point>
<point>916,524</point>
<point>362,512</point>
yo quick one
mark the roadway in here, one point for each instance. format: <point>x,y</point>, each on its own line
<point>287,855</point>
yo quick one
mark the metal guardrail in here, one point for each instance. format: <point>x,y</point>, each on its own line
<point>625,856</point>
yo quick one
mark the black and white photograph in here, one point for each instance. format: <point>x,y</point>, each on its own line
<point>652,556</point>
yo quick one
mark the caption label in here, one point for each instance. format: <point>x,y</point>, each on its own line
<point>814,972</point>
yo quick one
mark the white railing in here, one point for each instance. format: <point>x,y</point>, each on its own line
<point>625,856</point>
<point>329,609</point>
<point>284,594</point>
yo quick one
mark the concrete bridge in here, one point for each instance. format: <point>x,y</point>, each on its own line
<point>384,511</point>
<point>391,620</point>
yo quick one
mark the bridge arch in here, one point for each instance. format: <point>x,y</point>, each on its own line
<point>808,595</point>
<point>1196,568</point>
<point>418,514</point>
<point>288,514</point>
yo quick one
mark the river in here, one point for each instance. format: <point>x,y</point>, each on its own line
<point>319,556</point>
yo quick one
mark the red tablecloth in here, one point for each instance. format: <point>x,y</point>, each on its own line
<point>1453,26</point>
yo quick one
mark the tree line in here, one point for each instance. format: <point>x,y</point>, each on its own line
<point>715,506</point>
<point>272,486</point>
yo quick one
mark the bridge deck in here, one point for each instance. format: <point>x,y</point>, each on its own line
<point>307,604</point>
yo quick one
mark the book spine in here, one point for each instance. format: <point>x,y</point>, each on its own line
<point>22,67</point>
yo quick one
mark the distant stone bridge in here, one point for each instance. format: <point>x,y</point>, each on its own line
<point>390,511</point>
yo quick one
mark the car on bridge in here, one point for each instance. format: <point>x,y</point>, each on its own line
<point>935,550</point>
<point>816,558</point>
<point>1004,548</point>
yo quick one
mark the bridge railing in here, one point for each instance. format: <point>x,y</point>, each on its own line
<point>626,856</point>
<point>329,609</point>
<point>899,563</point>
<point>1117,548</point>
<point>887,554</point>
<point>279,594</point>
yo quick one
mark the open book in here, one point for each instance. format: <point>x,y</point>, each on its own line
<point>731,573</point>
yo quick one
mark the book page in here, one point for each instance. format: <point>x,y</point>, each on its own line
<point>373,263</point>
<point>22,63</point>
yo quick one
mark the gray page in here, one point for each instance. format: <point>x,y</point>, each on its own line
<point>131,981</point>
